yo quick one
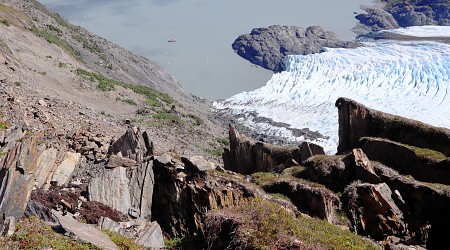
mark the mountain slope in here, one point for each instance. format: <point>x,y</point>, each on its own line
<point>88,80</point>
<point>411,79</point>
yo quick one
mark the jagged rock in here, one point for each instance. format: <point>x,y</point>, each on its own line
<point>179,204</point>
<point>8,226</point>
<point>314,201</point>
<point>123,187</point>
<point>46,164</point>
<point>148,234</point>
<point>37,209</point>
<point>164,158</point>
<point>422,164</point>
<point>64,171</point>
<point>197,164</point>
<point>117,161</point>
<point>426,206</point>
<point>111,225</point>
<point>364,170</point>
<point>308,149</point>
<point>267,47</point>
<point>357,121</point>
<point>17,177</point>
<point>373,212</point>
<point>85,232</point>
<point>336,172</point>
<point>133,145</point>
<point>151,236</point>
<point>247,156</point>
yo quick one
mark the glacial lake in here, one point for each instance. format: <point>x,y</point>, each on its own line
<point>202,58</point>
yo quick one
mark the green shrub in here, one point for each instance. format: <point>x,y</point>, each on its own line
<point>214,152</point>
<point>104,83</point>
<point>5,22</point>
<point>3,125</point>
<point>197,119</point>
<point>61,65</point>
<point>164,115</point>
<point>154,97</point>
<point>90,45</point>
<point>172,243</point>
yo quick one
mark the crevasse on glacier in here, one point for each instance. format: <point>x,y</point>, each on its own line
<point>410,79</point>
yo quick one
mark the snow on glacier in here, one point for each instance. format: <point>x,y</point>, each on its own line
<point>410,79</point>
<point>422,31</point>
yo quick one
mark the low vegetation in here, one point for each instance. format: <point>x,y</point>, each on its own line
<point>154,97</point>
<point>51,38</point>
<point>122,242</point>
<point>32,233</point>
<point>261,224</point>
<point>3,125</point>
<point>5,22</point>
<point>90,45</point>
<point>428,153</point>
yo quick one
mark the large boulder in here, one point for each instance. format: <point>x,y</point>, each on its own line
<point>85,232</point>
<point>310,199</point>
<point>267,47</point>
<point>145,233</point>
<point>373,211</point>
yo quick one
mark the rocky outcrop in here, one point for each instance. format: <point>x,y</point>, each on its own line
<point>373,211</point>
<point>423,164</point>
<point>85,232</point>
<point>126,182</point>
<point>377,19</point>
<point>419,13</point>
<point>182,197</point>
<point>247,156</point>
<point>16,177</point>
<point>425,206</point>
<point>395,14</point>
<point>267,47</point>
<point>312,200</point>
<point>147,234</point>
<point>357,121</point>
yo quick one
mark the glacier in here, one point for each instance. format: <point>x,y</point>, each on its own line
<point>410,79</point>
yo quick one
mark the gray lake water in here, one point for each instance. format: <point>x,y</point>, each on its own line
<point>202,59</point>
